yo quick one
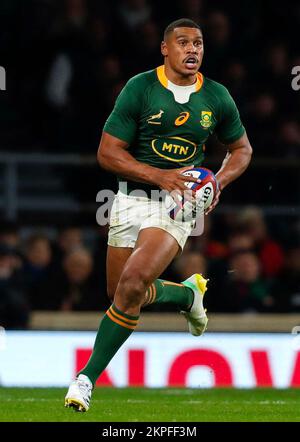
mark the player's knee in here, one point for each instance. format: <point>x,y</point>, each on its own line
<point>133,285</point>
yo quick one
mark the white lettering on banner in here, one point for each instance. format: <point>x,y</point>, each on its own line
<point>155,360</point>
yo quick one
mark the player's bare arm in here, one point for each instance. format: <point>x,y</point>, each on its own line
<point>235,163</point>
<point>114,157</point>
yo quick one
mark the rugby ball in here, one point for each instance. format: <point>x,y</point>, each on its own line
<point>185,210</point>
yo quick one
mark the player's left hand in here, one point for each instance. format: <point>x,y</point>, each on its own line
<point>215,202</point>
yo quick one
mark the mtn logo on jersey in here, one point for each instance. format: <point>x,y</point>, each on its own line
<point>155,117</point>
<point>174,148</point>
<point>206,119</point>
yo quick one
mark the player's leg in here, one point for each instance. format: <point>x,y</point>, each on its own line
<point>187,296</point>
<point>116,259</point>
<point>159,292</point>
<point>154,251</point>
<point>123,237</point>
<point>79,393</point>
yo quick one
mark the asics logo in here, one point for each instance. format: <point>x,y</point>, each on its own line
<point>183,117</point>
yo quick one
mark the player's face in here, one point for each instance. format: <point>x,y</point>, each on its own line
<point>184,50</point>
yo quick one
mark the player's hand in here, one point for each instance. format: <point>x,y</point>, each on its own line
<point>172,180</point>
<point>215,201</point>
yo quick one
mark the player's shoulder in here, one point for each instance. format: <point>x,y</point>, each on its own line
<point>143,80</point>
<point>216,89</point>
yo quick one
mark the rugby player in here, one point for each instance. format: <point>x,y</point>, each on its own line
<point>157,130</point>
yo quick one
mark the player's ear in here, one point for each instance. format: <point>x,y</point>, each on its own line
<point>163,48</point>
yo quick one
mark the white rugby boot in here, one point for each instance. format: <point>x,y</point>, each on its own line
<point>79,394</point>
<point>196,317</point>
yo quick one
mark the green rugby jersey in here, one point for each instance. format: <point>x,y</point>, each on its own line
<point>167,134</point>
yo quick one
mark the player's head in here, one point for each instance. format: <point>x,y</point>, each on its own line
<point>182,46</point>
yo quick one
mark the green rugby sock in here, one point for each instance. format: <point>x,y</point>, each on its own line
<point>161,292</point>
<point>115,328</point>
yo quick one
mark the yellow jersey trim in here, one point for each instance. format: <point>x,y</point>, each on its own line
<point>160,71</point>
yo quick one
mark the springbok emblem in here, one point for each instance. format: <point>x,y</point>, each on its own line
<point>155,117</point>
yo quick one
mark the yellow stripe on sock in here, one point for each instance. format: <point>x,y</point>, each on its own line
<point>147,296</point>
<point>172,283</point>
<point>123,324</point>
<point>151,295</point>
<point>123,318</point>
<point>154,293</point>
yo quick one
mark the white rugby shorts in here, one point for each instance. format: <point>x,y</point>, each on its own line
<point>130,214</point>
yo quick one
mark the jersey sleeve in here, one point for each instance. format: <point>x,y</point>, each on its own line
<point>230,127</point>
<point>123,121</point>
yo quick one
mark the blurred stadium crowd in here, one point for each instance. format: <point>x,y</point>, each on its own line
<point>66,62</point>
<point>65,269</point>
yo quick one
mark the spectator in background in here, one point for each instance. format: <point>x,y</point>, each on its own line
<point>239,242</point>
<point>114,93</point>
<point>289,139</point>
<point>219,269</point>
<point>70,38</point>
<point>276,71</point>
<point>286,290</point>
<point>134,13</point>
<point>14,306</point>
<point>189,263</point>
<point>111,70</point>
<point>262,120</point>
<point>73,15</point>
<point>236,80</point>
<point>73,288</point>
<point>69,239</point>
<point>271,255</point>
<point>131,16</point>
<point>244,290</point>
<point>206,244</point>
<point>37,266</point>
<point>218,43</point>
<point>193,9</point>
<point>9,236</point>
<point>72,83</point>
<point>38,253</point>
<point>146,48</point>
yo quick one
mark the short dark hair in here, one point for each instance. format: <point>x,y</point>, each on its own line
<point>181,23</point>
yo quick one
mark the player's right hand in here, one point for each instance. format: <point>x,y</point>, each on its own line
<point>172,180</point>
